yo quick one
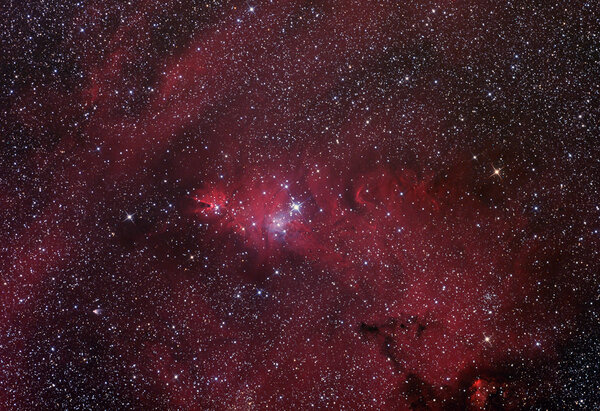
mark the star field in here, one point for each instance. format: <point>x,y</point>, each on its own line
<point>299,205</point>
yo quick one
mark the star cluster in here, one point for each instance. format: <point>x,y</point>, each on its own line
<point>299,204</point>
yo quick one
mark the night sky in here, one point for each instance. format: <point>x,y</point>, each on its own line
<point>299,205</point>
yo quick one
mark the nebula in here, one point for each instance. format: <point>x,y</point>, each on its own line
<point>299,204</point>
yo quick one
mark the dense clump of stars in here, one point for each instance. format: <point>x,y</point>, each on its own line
<point>332,205</point>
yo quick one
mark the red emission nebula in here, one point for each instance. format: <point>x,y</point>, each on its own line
<point>387,205</point>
